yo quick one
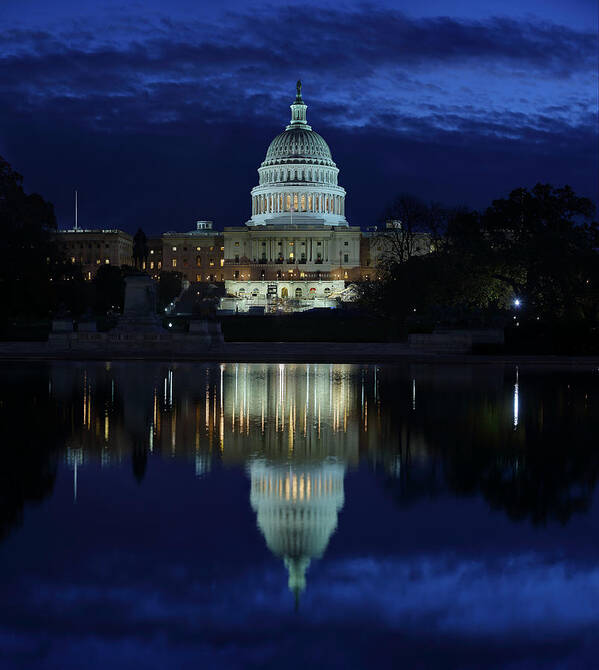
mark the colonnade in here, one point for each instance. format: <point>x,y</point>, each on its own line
<point>274,203</point>
<point>321,176</point>
<point>305,249</point>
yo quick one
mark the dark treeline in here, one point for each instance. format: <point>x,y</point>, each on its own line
<point>37,281</point>
<point>533,255</point>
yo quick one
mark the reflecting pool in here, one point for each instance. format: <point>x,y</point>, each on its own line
<point>192,515</point>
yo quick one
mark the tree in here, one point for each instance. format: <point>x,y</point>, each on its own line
<point>30,257</point>
<point>545,247</point>
<point>169,287</point>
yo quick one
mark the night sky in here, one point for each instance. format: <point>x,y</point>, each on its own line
<point>161,112</point>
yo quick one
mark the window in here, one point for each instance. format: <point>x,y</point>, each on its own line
<point>198,277</point>
<point>174,248</point>
<point>211,248</point>
<point>291,244</point>
<point>237,258</point>
<point>198,248</point>
<point>151,265</point>
<point>319,244</point>
<point>298,292</point>
<point>346,243</point>
<point>185,262</point>
<point>174,262</point>
<point>222,248</point>
<point>236,244</point>
<point>345,258</point>
<point>211,262</point>
<point>198,261</point>
<point>345,275</point>
<point>263,244</point>
<point>72,259</point>
<point>236,274</point>
<point>159,265</point>
<point>222,262</point>
<point>98,261</point>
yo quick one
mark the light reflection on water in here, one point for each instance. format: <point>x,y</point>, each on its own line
<point>349,460</point>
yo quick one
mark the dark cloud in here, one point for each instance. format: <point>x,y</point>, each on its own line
<point>160,122</point>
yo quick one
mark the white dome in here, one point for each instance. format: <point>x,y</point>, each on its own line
<point>298,178</point>
<point>298,145</point>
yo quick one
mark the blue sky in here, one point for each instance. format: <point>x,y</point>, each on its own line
<point>160,113</point>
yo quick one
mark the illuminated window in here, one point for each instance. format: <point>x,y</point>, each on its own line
<point>222,248</point>
<point>211,248</point>
<point>236,244</point>
<point>198,249</point>
<point>174,262</point>
<point>211,263</point>
<point>151,265</point>
<point>345,274</point>
<point>199,261</point>
<point>198,277</point>
<point>174,248</point>
<point>159,264</point>
<point>98,261</point>
<point>291,244</point>
<point>222,262</point>
<point>72,259</point>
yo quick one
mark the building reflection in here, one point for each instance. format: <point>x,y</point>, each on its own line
<point>297,429</point>
<point>296,509</point>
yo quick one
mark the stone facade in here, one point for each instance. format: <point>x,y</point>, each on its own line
<point>93,248</point>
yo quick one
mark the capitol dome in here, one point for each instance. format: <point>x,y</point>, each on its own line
<point>300,145</point>
<point>298,178</point>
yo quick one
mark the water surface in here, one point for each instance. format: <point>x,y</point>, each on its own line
<point>251,515</point>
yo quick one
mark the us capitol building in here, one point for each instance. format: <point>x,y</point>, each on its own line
<point>296,251</point>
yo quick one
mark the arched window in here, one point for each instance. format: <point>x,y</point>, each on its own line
<point>288,203</point>
<point>327,291</point>
<point>284,292</point>
<point>298,292</point>
<point>303,203</point>
<point>295,202</point>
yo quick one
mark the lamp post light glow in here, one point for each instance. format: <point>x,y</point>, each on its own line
<point>517,302</point>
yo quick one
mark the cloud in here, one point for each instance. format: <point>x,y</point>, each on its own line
<point>440,607</point>
<point>384,89</point>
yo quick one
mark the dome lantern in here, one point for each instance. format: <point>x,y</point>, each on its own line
<point>298,111</point>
